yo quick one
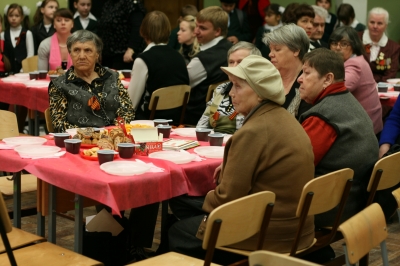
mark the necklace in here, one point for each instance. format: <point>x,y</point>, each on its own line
<point>62,46</point>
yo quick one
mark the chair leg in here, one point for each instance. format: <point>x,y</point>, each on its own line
<point>346,256</point>
<point>398,214</point>
<point>384,253</point>
<point>212,241</point>
<point>7,245</point>
<point>364,261</point>
<point>184,104</point>
<point>154,107</point>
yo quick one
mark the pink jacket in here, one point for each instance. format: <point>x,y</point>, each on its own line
<point>361,83</point>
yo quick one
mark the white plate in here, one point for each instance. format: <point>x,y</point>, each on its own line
<point>16,141</point>
<point>15,79</point>
<point>142,122</point>
<point>36,150</point>
<point>22,75</point>
<point>173,156</point>
<point>215,152</point>
<point>185,132</point>
<point>124,168</point>
<point>393,81</point>
<point>389,93</point>
<point>227,137</point>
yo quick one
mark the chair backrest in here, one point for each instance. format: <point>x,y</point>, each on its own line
<point>241,218</point>
<point>386,174</point>
<point>327,189</point>
<point>49,121</point>
<point>168,98</point>
<point>396,195</point>
<point>211,89</point>
<point>30,64</point>
<point>269,258</point>
<point>321,195</point>
<point>364,231</point>
<point>8,124</point>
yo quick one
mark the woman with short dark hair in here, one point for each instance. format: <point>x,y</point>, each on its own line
<point>87,95</point>
<point>359,79</point>
<point>157,67</point>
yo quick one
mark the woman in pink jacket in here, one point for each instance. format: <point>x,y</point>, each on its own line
<point>358,77</point>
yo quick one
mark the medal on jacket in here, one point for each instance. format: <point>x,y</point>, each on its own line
<point>94,103</point>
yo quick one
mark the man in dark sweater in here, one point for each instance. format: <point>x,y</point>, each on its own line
<point>204,69</point>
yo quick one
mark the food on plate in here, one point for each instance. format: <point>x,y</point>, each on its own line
<point>106,143</point>
<point>57,71</point>
<point>91,152</point>
<point>129,127</point>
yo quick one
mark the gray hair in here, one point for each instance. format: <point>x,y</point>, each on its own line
<point>379,11</point>
<point>244,45</point>
<point>290,35</point>
<point>84,36</point>
<point>320,11</point>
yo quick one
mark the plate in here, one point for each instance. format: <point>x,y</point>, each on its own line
<point>16,141</point>
<point>393,81</point>
<point>88,145</point>
<point>173,156</point>
<point>36,150</point>
<point>72,132</point>
<point>92,158</point>
<point>124,168</point>
<point>142,122</point>
<point>215,152</point>
<point>37,83</point>
<point>384,98</point>
<point>185,132</point>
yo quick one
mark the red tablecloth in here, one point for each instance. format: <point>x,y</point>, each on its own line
<point>75,174</point>
<point>389,98</point>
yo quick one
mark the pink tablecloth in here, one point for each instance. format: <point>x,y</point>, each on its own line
<point>75,174</point>
<point>33,98</point>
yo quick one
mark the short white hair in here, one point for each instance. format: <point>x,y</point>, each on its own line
<point>379,11</point>
<point>320,11</point>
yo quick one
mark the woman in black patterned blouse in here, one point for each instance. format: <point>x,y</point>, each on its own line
<point>87,94</point>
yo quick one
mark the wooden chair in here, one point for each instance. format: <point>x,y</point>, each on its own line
<point>386,174</point>
<point>319,195</point>
<point>245,217</point>
<point>269,258</point>
<point>364,231</point>
<point>9,128</point>
<point>396,194</point>
<point>211,89</point>
<point>30,64</point>
<point>38,254</point>
<point>169,98</point>
<point>49,121</point>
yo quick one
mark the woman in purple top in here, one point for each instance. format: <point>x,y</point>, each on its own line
<point>358,77</point>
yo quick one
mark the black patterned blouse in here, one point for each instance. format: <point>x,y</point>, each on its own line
<point>71,100</point>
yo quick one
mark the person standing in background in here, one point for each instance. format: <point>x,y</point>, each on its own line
<point>5,66</point>
<point>347,17</point>
<point>319,27</point>
<point>43,21</point>
<point>119,29</point>
<point>238,26</point>
<point>330,20</point>
<point>83,19</point>
<point>254,10</point>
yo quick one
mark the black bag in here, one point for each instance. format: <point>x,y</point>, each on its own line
<point>385,197</point>
<point>108,249</point>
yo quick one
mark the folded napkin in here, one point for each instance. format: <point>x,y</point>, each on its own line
<point>6,146</point>
<point>196,159</point>
<point>55,155</point>
<point>153,169</point>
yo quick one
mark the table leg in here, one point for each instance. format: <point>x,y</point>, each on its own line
<point>41,227</point>
<point>17,200</point>
<point>36,123</point>
<point>78,223</point>
<point>52,214</point>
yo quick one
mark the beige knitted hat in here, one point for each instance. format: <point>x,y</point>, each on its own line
<point>262,77</point>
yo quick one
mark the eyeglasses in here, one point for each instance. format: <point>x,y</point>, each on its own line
<point>341,44</point>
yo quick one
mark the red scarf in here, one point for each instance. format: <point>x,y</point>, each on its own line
<point>55,54</point>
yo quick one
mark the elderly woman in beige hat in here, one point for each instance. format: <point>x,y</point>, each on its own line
<point>270,152</point>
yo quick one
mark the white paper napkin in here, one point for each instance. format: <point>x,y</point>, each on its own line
<point>6,146</point>
<point>55,155</point>
<point>196,159</point>
<point>153,169</point>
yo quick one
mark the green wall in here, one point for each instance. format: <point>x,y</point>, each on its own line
<point>392,6</point>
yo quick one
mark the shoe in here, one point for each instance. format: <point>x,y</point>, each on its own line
<point>137,254</point>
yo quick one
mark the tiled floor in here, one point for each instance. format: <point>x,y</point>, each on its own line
<point>65,237</point>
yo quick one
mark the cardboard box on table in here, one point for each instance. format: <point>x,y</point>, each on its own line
<point>148,139</point>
